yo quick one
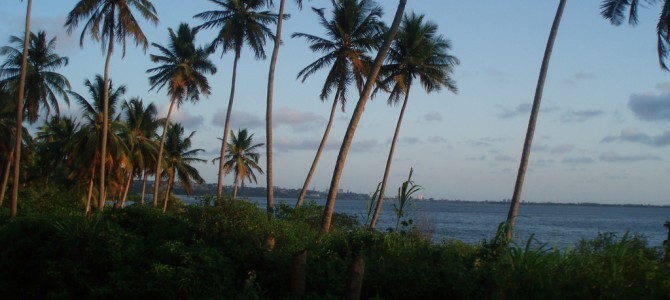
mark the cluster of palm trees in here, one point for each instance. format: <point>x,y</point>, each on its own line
<point>117,140</point>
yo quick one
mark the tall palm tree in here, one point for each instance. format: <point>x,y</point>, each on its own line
<point>418,52</point>
<point>356,117</point>
<point>525,155</point>
<point>353,31</point>
<point>615,12</point>
<point>179,158</point>
<point>107,22</point>
<point>87,153</point>
<point>242,158</point>
<point>239,22</point>
<point>38,85</point>
<point>7,129</point>
<point>182,69</point>
<point>268,108</point>
<point>141,126</point>
<point>43,84</point>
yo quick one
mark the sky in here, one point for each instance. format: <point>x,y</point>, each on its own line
<point>602,135</point>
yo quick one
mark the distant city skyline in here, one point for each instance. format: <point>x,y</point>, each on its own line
<point>603,133</point>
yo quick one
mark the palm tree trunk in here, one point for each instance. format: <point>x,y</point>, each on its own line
<point>159,158</point>
<point>105,124</point>
<point>235,190</point>
<point>219,187</point>
<point>356,117</point>
<point>268,111</point>
<point>90,193</point>
<point>125,191</point>
<point>167,191</point>
<point>144,185</point>
<point>322,145</point>
<point>19,115</point>
<point>5,176</point>
<point>387,170</point>
<point>525,155</point>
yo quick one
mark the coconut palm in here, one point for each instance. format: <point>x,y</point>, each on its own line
<point>179,158</point>
<point>7,129</point>
<point>268,108</point>
<point>525,155</point>
<point>141,126</point>
<point>182,69</point>
<point>615,12</point>
<point>352,32</point>
<point>39,84</point>
<point>242,158</point>
<point>418,52</point>
<point>43,85</point>
<point>239,22</point>
<point>356,117</point>
<point>87,153</point>
<point>107,22</point>
<point>54,140</point>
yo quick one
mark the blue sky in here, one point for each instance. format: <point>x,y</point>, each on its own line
<point>602,135</point>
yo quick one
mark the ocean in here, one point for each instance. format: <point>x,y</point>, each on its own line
<point>557,226</point>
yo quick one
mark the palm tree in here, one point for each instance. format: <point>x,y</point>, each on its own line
<point>38,85</point>
<point>182,69</point>
<point>240,22</point>
<point>7,129</point>
<point>179,156</point>
<point>43,84</point>
<point>417,53</point>
<point>268,108</point>
<point>525,155</point>
<point>354,29</point>
<point>242,158</point>
<point>356,117</point>
<point>87,153</point>
<point>108,21</point>
<point>615,11</point>
<point>55,138</point>
<point>141,126</point>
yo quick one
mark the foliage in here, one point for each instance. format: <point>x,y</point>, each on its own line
<point>223,251</point>
<point>405,192</point>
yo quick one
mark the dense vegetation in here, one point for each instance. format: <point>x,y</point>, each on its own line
<point>222,252</point>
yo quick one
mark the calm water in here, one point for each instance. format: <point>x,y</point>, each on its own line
<point>558,226</point>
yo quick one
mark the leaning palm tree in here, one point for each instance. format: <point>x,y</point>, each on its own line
<point>268,108</point>
<point>141,126</point>
<point>7,129</point>
<point>110,21</point>
<point>179,158</point>
<point>87,153</point>
<point>242,158</point>
<point>525,155</point>
<point>182,69</point>
<point>356,117</point>
<point>418,52</point>
<point>354,30</point>
<point>239,22</point>
<point>615,12</point>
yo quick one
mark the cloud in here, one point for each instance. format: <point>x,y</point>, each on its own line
<point>432,117</point>
<point>578,160</point>
<point>181,115</point>
<point>504,158</point>
<point>561,149</point>
<point>633,135</point>
<point>579,76</point>
<point>298,120</point>
<point>664,86</point>
<point>239,119</point>
<point>580,115</point>
<point>437,140</point>
<point>488,141</point>
<point>292,144</point>
<point>614,157</point>
<point>522,109</point>
<point>650,107</point>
